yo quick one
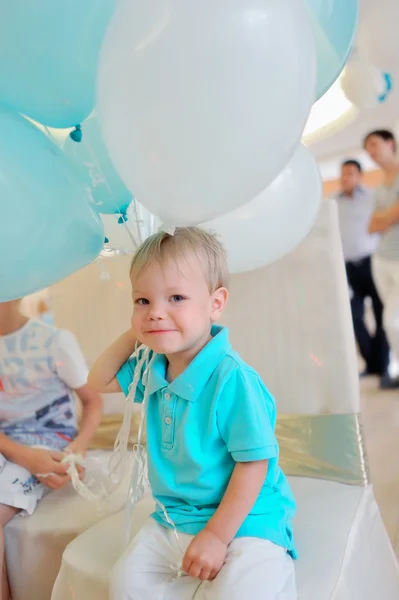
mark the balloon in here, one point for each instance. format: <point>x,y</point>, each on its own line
<point>202,104</point>
<point>276,221</point>
<point>378,39</point>
<point>127,234</point>
<point>334,24</point>
<point>49,53</point>
<point>108,192</point>
<point>364,84</point>
<point>48,229</point>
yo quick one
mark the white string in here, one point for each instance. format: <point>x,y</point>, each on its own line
<point>139,480</point>
<point>102,179</point>
<point>119,460</point>
<point>84,490</point>
<point>170,229</point>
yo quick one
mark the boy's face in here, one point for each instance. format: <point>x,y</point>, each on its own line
<point>173,309</point>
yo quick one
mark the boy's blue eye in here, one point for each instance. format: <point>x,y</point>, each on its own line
<point>177,298</point>
<point>141,301</point>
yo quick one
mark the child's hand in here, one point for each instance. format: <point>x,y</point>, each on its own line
<point>77,447</point>
<point>46,466</point>
<point>205,556</point>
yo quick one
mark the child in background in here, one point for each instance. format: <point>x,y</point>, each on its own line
<point>40,366</point>
<point>212,452</point>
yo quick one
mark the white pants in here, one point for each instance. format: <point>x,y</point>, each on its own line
<point>255,569</point>
<point>386,277</point>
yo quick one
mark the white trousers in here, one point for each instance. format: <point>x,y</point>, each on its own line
<point>255,569</point>
<point>386,277</point>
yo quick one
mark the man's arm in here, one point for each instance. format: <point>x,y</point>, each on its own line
<point>383,219</point>
<point>102,376</point>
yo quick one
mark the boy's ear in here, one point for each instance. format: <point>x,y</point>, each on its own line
<point>219,301</point>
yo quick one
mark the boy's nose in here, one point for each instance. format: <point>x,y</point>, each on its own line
<point>156,312</point>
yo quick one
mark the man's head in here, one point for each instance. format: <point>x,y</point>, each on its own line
<point>351,174</point>
<point>381,146</point>
<point>179,285</point>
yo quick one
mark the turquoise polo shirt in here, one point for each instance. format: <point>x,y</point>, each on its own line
<point>215,414</point>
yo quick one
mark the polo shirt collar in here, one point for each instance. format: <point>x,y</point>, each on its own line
<point>191,382</point>
<point>359,189</point>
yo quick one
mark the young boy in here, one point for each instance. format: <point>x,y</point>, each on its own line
<point>212,453</point>
<point>39,367</point>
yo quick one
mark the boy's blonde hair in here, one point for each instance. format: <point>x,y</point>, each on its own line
<point>163,247</point>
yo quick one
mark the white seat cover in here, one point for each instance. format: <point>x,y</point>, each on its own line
<point>34,545</point>
<point>292,322</point>
<point>338,530</point>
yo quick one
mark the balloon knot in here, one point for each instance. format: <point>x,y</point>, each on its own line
<point>76,134</point>
<point>106,240</point>
<point>122,219</point>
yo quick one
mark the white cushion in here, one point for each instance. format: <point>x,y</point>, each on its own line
<point>34,545</point>
<point>292,322</point>
<point>345,553</point>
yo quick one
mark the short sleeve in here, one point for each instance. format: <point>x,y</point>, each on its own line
<point>246,418</point>
<point>69,362</point>
<point>125,377</point>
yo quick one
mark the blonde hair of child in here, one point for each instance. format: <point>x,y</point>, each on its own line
<point>186,242</point>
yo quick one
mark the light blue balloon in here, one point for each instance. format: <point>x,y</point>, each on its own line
<point>334,25</point>
<point>108,192</point>
<point>49,52</point>
<point>48,229</point>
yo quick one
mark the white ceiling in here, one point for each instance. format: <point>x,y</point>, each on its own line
<point>349,140</point>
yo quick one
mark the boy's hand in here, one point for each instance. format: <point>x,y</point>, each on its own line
<point>38,460</point>
<point>77,447</point>
<point>46,466</point>
<point>205,556</point>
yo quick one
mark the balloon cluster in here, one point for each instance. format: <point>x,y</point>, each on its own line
<point>198,112</point>
<point>368,79</point>
<point>203,107</point>
<point>48,65</point>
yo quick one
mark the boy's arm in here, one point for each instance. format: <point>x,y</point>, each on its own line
<point>102,376</point>
<point>36,460</point>
<point>206,554</point>
<point>91,418</point>
<point>241,494</point>
<point>245,422</point>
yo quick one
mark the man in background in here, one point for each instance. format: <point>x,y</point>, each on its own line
<point>355,207</point>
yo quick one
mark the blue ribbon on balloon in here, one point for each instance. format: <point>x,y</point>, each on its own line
<point>388,87</point>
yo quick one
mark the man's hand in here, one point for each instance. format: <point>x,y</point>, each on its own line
<point>380,222</point>
<point>205,556</point>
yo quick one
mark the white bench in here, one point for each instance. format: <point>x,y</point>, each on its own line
<point>292,322</point>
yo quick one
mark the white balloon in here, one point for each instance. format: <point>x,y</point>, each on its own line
<point>378,38</point>
<point>364,84</point>
<point>203,103</point>
<point>276,221</point>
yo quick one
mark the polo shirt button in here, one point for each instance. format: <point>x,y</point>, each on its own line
<point>167,396</point>
<point>168,420</point>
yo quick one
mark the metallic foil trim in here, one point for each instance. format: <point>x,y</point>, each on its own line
<point>320,446</point>
<point>110,425</point>
<point>324,447</point>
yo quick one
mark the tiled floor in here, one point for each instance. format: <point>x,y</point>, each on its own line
<point>380,411</point>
